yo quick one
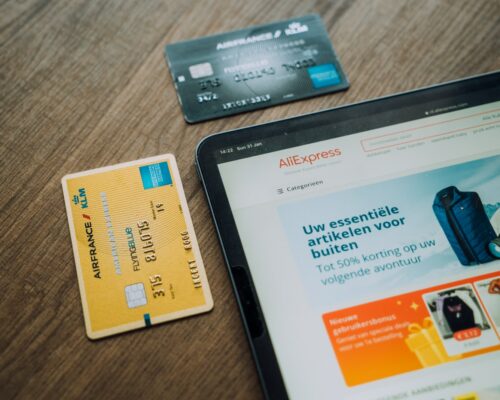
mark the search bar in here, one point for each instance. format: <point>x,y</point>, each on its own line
<point>473,123</point>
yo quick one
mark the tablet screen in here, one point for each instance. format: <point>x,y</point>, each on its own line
<point>375,254</point>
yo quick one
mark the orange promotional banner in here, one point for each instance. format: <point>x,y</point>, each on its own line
<point>410,331</point>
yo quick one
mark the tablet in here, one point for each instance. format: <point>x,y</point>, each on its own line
<point>362,243</point>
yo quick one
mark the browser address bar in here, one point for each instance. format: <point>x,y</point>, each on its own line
<point>475,123</point>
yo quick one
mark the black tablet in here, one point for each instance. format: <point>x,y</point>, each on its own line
<point>363,244</point>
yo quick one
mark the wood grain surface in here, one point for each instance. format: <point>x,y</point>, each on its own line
<point>83,84</point>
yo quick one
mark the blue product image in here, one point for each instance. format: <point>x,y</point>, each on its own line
<point>494,247</point>
<point>465,224</point>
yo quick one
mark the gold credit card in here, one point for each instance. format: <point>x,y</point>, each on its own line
<point>136,253</point>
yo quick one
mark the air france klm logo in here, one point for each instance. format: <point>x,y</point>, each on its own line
<point>81,199</point>
<point>92,249</point>
<point>309,159</point>
<point>245,40</point>
<point>295,28</point>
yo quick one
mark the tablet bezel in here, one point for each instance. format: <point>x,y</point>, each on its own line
<point>206,165</point>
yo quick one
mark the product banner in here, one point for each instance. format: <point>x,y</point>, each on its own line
<point>397,235</point>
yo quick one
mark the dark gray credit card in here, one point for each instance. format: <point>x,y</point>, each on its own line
<point>253,68</point>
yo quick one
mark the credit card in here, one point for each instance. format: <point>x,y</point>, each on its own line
<point>137,257</point>
<point>253,68</point>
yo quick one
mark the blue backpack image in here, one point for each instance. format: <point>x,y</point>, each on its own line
<point>465,224</point>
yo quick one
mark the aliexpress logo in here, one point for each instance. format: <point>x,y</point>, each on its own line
<point>309,159</point>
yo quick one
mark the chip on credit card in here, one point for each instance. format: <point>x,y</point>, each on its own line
<point>137,257</point>
<point>253,68</point>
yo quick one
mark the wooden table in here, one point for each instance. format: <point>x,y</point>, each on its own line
<point>83,85</point>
